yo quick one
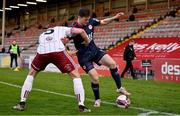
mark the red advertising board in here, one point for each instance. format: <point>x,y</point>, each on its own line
<point>164,52</point>
<point>104,71</point>
<point>150,48</point>
<point>167,70</point>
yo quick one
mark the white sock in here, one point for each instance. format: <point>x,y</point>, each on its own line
<point>26,88</point>
<point>79,91</point>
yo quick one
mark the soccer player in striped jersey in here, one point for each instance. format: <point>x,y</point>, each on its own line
<point>51,50</point>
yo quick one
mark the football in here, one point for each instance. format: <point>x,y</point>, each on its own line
<point>123,101</point>
<point>11,50</point>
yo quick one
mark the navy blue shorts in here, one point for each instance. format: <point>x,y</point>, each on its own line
<point>86,58</point>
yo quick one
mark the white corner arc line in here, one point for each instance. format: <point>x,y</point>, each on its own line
<point>146,111</point>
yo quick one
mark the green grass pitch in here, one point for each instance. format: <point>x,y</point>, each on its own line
<point>151,96</point>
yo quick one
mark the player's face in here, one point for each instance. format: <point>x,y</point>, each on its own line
<point>14,42</point>
<point>131,43</point>
<point>84,20</point>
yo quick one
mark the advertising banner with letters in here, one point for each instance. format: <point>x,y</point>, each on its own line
<point>167,70</point>
<point>154,49</point>
<point>151,48</point>
<point>164,53</point>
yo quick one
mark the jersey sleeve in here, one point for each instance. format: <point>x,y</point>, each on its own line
<point>68,31</point>
<point>95,22</point>
<point>73,36</point>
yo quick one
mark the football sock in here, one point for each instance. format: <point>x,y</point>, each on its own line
<point>95,88</point>
<point>79,91</point>
<point>116,77</point>
<point>26,88</point>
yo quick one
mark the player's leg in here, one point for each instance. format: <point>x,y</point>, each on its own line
<point>15,57</point>
<point>66,64</point>
<point>16,62</point>
<point>132,70</point>
<point>27,86</point>
<point>39,63</point>
<point>95,86</point>
<point>26,89</point>
<point>109,62</point>
<point>91,71</point>
<point>79,90</point>
<point>11,63</point>
<point>85,62</point>
<point>125,69</point>
<point>78,86</point>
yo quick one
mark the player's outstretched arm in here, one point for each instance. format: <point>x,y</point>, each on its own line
<point>109,20</point>
<point>83,34</point>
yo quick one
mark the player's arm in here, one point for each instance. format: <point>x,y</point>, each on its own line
<point>9,49</point>
<point>76,31</point>
<point>109,20</point>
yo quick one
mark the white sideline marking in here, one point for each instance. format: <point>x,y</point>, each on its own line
<point>145,111</point>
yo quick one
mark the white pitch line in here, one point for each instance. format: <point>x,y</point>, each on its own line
<point>146,111</point>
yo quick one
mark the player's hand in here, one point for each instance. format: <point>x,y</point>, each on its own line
<point>135,58</point>
<point>85,43</point>
<point>65,40</point>
<point>118,15</point>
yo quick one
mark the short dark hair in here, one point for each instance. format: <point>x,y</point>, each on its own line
<point>84,12</point>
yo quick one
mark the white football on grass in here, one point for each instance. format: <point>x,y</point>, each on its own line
<point>123,101</point>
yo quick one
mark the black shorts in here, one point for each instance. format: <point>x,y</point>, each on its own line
<point>86,58</point>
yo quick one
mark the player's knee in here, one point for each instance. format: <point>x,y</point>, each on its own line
<point>95,80</point>
<point>74,73</point>
<point>112,65</point>
<point>94,76</point>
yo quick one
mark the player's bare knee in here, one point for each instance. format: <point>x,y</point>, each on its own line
<point>95,80</point>
<point>94,76</point>
<point>74,74</point>
<point>112,65</point>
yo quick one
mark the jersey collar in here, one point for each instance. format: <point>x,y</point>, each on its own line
<point>79,25</point>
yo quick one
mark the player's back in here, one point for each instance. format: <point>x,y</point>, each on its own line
<point>50,40</point>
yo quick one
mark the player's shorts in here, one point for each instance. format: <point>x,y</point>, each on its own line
<point>60,59</point>
<point>87,58</point>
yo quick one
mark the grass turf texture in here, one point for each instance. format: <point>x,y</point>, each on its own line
<point>153,95</point>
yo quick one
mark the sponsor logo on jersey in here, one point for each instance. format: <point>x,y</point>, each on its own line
<point>84,67</point>
<point>90,36</point>
<point>90,27</point>
<point>49,38</point>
